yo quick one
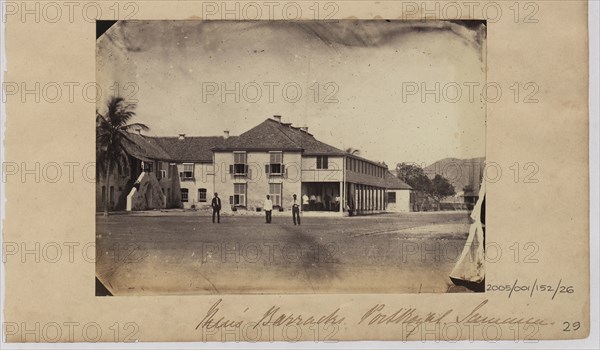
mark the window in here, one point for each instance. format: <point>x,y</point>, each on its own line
<point>188,171</point>
<point>239,195</point>
<point>103,194</point>
<point>184,194</point>
<point>148,167</point>
<point>202,195</point>
<point>391,197</point>
<point>275,193</point>
<point>276,166</point>
<point>322,162</point>
<point>239,163</point>
<point>111,195</point>
<point>163,170</point>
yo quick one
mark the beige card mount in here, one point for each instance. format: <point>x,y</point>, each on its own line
<point>295,171</point>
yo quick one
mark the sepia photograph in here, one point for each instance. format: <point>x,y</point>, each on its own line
<point>290,157</point>
<point>299,174</point>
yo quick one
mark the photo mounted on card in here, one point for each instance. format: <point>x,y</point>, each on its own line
<point>301,172</point>
<point>247,167</point>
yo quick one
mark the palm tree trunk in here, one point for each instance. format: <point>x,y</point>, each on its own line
<point>107,191</point>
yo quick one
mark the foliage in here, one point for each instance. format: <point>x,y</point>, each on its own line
<point>415,176</point>
<point>353,151</point>
<point>441,187</point>
<point>112,135</point>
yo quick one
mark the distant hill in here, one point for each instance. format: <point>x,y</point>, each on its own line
<point>460,172</point>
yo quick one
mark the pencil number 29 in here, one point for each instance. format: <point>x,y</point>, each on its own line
<point>571,326</point>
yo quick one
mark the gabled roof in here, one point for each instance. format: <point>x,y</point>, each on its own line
<point>394,183</point>
<point>194,149</point>
<point>273,135</point>
<point>307,141</point>
<point>145,148</point>
<point>270,135</point>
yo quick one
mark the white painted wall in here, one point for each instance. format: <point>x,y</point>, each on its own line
<point>402,204</point>
<point>334,173</point>
<point>203,178</point>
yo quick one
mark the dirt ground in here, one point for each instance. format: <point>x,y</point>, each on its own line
<point>187,254</point>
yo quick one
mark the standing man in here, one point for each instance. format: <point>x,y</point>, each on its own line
<point>268,208</point>
<point>216,207</point>
<point>295,210</point>
<point>327,200</point>
<point>312,201</point>
<point>304,202</point>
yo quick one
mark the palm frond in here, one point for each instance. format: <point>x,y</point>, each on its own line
<point>134,126</point>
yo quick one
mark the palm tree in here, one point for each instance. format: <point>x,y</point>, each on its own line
<point>353,151</point>
<point>112,134</point>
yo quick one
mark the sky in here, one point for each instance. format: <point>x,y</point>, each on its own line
<point>348,81</point>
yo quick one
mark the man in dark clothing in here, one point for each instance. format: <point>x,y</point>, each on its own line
<point>268,208</point>
<point>296,210</point>
<point>216,207</point>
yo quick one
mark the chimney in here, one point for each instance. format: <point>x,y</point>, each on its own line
<point>226,134</point>
<point>181,136</point>
<point>277,118</point>
<point>304,128</point>
<point>139,130</point>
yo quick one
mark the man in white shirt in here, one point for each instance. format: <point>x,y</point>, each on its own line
<point>304,202</point>
<point>312,201</point>
<point>268,208</point>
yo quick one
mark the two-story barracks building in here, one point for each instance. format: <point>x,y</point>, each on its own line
<point>281,160</point>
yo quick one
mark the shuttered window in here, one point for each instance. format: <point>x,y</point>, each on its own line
<point>188,171</point>
<point>239,163</point>
<point>239,194</point>
<point>276,162</point>
<point>275,193</point>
